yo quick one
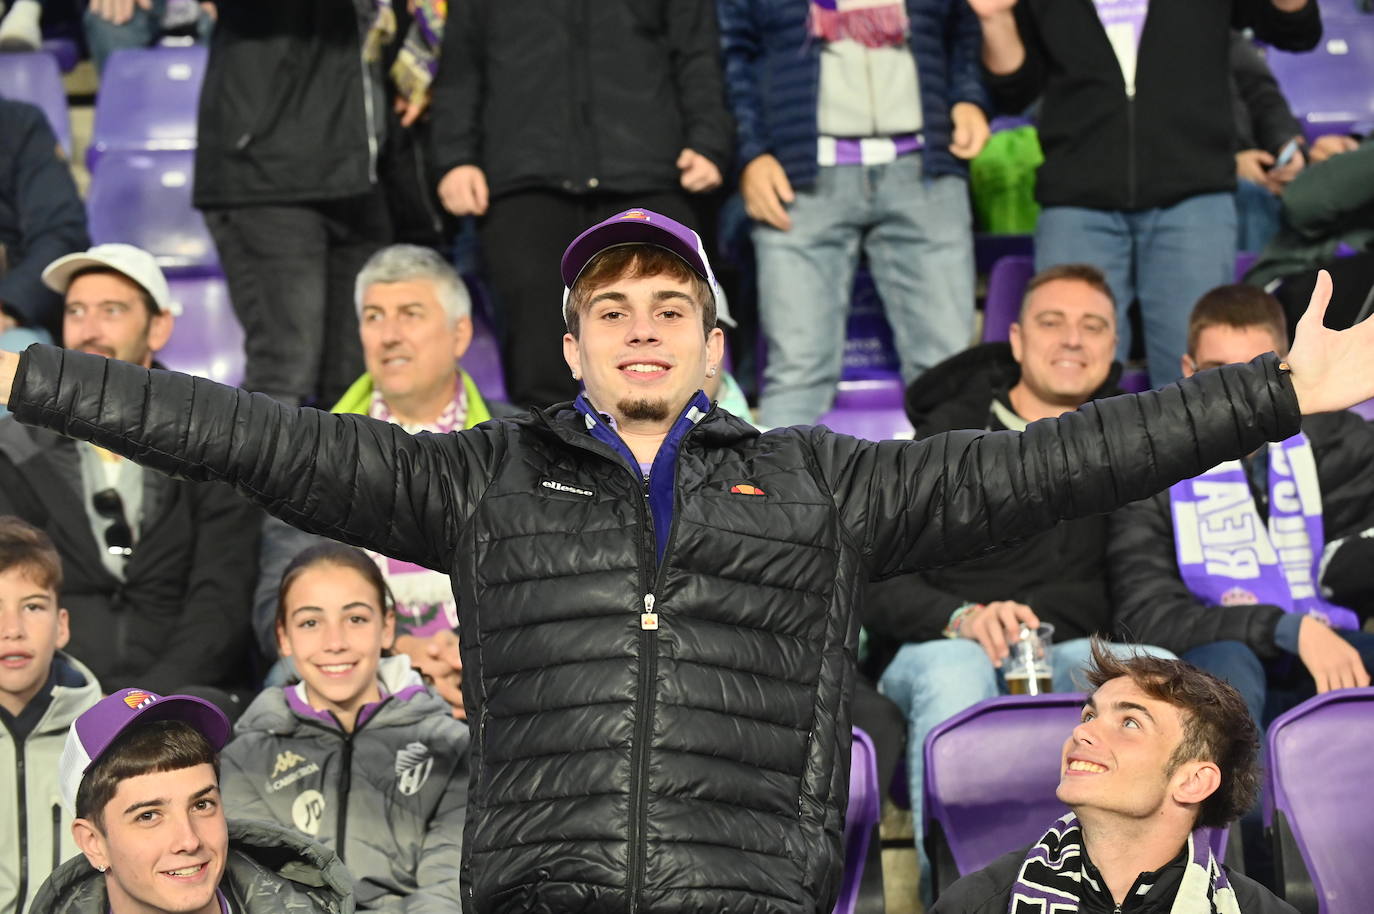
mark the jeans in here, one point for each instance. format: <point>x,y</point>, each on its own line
<point>144,27</point>
<point>291,271</point>
<point>931,681</point>
<point>1166,257</point>
<point>1258,216</point>
<point>1271,688</point>
<point>918,236</point>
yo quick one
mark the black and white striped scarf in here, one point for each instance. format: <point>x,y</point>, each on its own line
<point>1051,876</point>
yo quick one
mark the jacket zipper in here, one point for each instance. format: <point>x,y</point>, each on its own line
<point>648,672</point>
<point>23,826</point>
<point>346,772</point>
<point>56,835</point>
<point>345,784</point>
<point>369,116</point>
<point>1130,149</point>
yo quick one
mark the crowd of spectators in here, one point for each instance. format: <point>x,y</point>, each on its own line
<point>350,158</point>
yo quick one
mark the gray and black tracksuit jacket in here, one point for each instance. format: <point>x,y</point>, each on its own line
<point>388,798</point>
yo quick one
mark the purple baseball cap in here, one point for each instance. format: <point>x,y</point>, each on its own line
<point>636,226</point>
<point>93,732</point>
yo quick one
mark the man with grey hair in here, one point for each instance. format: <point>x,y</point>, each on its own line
<point>414,317</point>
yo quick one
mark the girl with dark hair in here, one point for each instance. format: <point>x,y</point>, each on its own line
<point>358,753</point>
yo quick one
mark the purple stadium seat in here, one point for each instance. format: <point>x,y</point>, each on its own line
<point>483,359</point>
<point>1006,287</point>
<point>975,813</point>
<point>1365,409</point>
<point>144,199</point>
<point>859,819</point>
<point>1331,89</point>
<point>34,78</point>
<point>1319,764</point>
<point>207,339</point>
<point>1244,261</point>
<point>64,50</point>
<point>873,424</point>
<point>988,249</point>
<point>148,100</point>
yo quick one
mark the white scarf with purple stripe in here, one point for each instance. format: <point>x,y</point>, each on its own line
<point>1226,554</point>
<point>1051,876</point>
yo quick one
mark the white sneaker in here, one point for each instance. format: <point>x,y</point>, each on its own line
<point>19,30</point>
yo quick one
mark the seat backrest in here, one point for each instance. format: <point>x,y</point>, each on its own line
<point>207,339</point>
<point>483,359</point>
<point>991,773</point>
<point>1006,287</point>
<point>859,819</point>
<point>1319,767</point>
<point>869,350</point>
<point>143,198</point>
<point>1331,88</point>
<point>148,100</point>
<point>35,78</point>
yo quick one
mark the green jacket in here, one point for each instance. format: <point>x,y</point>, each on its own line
<point>358,398</point>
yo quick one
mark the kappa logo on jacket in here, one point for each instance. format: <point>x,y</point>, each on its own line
<point>285,762</point>
<point>413,765</point>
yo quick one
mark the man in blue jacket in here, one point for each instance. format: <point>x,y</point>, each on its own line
<point>853,118</point>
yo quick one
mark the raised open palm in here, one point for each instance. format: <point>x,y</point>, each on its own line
<point>1331,369</point>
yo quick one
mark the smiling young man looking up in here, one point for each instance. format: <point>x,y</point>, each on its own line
<point>657,600</point>
<point>141,773</point>
<point>1162,750</point>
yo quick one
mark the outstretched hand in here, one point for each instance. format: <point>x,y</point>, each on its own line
<point>1332,369</point>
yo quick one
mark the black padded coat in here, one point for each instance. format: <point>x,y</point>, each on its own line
<point>702,765</point>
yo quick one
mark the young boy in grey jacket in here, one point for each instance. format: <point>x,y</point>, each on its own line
<point>42,690</point>
<point>359,755</point>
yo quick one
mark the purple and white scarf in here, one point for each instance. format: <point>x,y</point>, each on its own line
<point>1051,877</point>
<point>1227,557</point>
<point>872,23</point>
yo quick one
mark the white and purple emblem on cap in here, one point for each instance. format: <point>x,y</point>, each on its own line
<point>93,732</point>
<point>636,226</point>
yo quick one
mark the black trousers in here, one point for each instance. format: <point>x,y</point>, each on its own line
<point>523,237</point>
<point>290,271</point>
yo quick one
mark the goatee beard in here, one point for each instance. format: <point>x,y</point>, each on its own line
<point>643,410</point>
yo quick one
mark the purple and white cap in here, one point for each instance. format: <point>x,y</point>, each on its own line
<point>93,732</point>
<point>638,226</point>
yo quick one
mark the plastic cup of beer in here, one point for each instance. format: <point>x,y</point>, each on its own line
<point>1028,670</point>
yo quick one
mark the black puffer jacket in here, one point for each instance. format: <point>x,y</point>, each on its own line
<point>1154,606</point>
<point>701,765</point>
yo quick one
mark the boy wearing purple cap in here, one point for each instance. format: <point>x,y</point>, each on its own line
<point>658,601</point>
<point>141,773</point>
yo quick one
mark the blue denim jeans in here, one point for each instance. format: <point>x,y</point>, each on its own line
<point>931,681</point>
<point>918,236</point>
<point>1258,216</point>
<point>103,37</point>
<point>1166,257</point>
